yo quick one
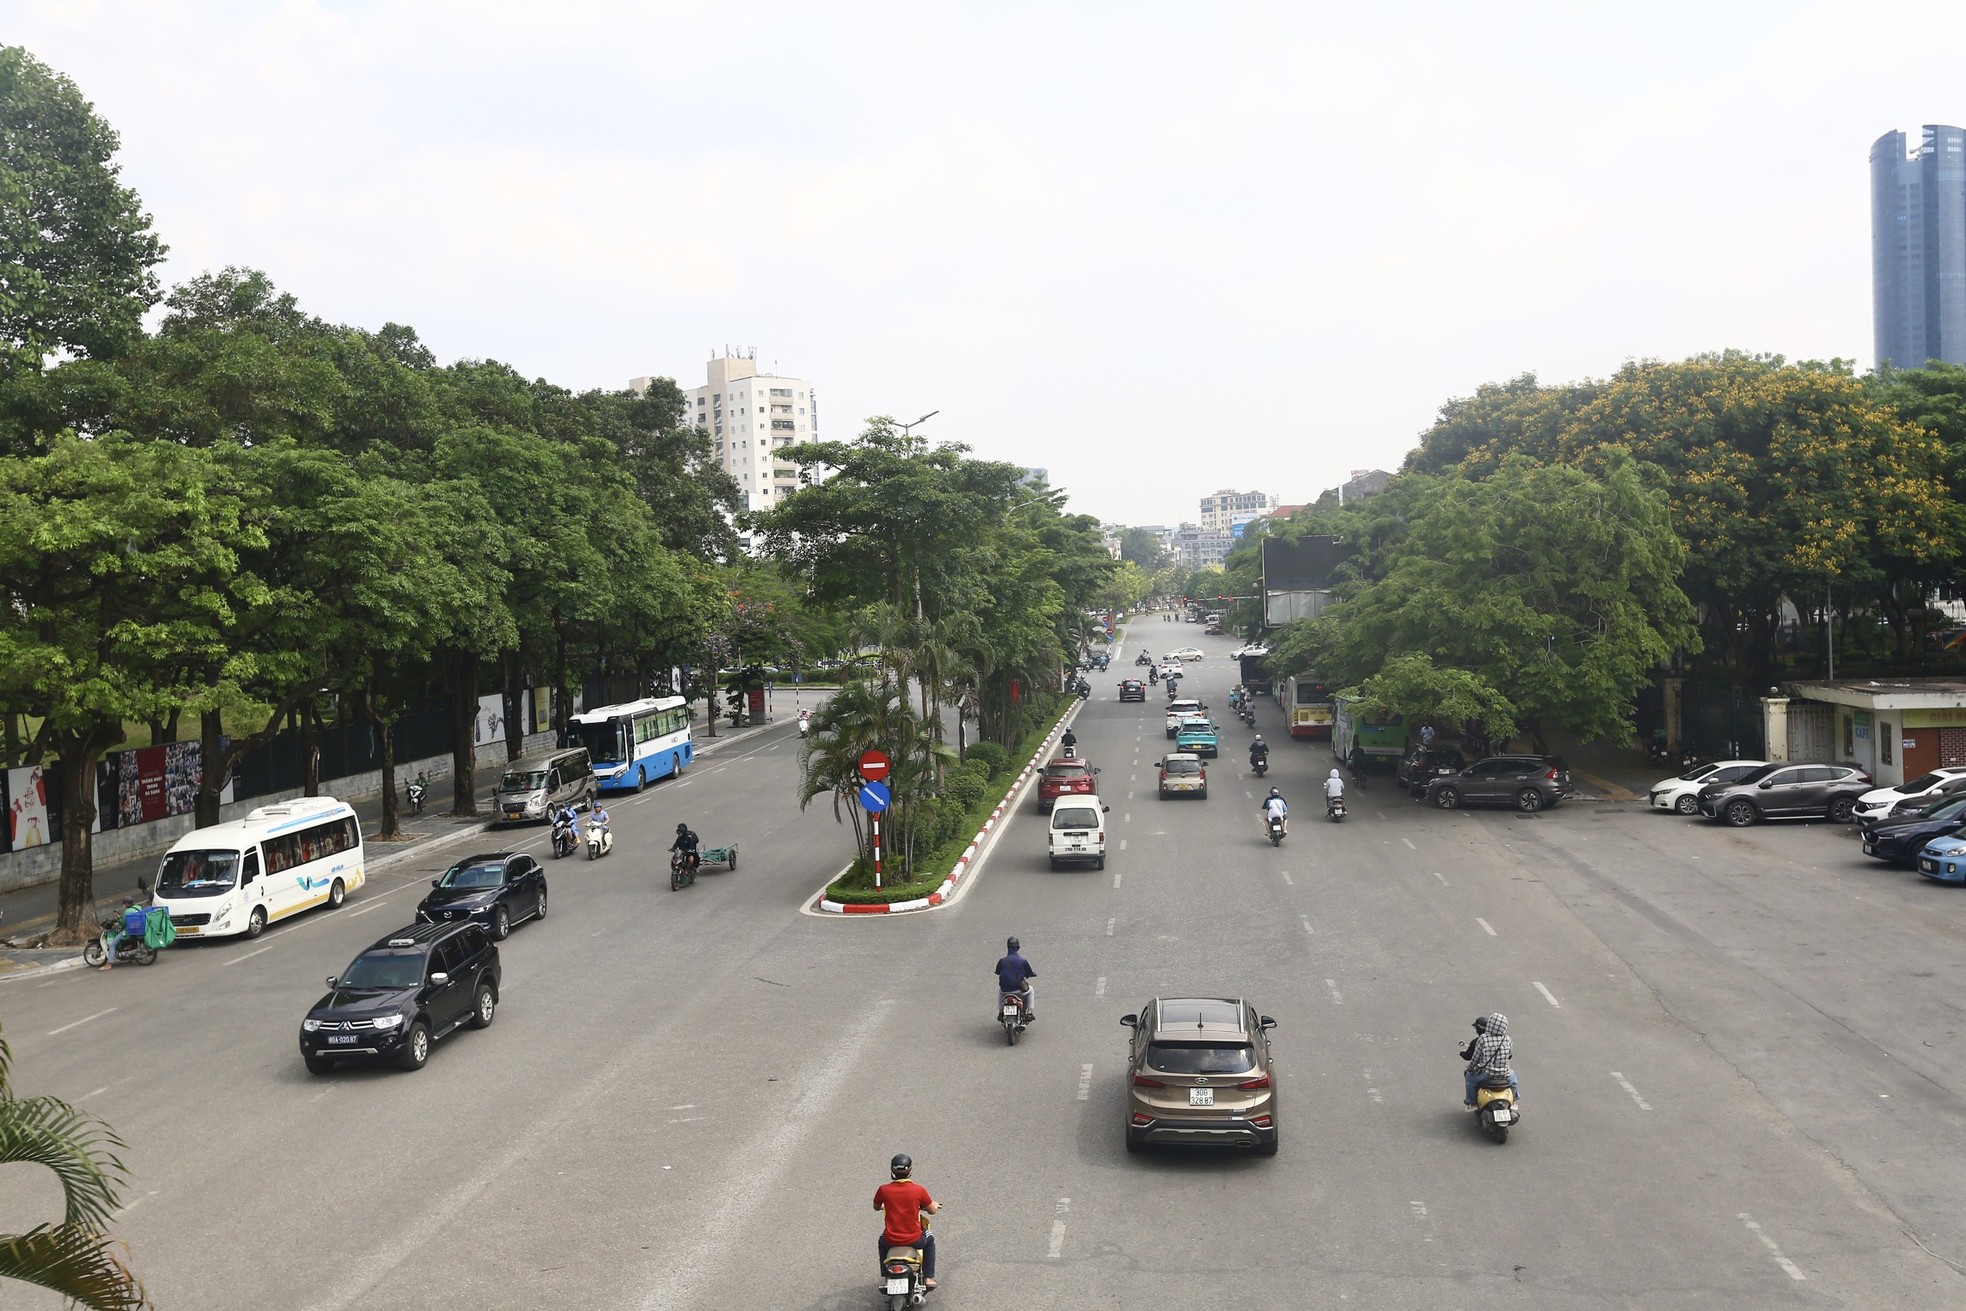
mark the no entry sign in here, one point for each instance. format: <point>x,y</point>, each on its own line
<point>873,766</point>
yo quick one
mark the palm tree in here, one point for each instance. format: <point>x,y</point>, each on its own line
<point>76,1258</point>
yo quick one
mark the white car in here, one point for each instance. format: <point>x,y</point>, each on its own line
<point>1682,793</point>
<point>1181,709</point>
<point>1078,831</point>
<point>1258,651</point>
<point>1187,653</point>
<point>1878,802</point>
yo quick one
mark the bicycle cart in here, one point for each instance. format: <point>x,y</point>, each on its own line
<point>725,856</point>
<point>681,875</point>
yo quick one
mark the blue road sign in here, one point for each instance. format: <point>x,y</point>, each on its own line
<point>874,797</point>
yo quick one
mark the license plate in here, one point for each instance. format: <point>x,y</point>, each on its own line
<point>190,931</point>
<point>895,1286</point>
<point>1870,848</point>
<point>1931,865</point>
<point>1503,1115</point>
<point>1010,1012</point>
<point>342,1040</point>
<point>1201,1097</point>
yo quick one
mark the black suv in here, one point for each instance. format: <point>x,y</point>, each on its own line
<point>1423,764</point>
<point>1783,789</point>
<point>499,889</point>
<point>402,994</point>
<point>1528,783</point>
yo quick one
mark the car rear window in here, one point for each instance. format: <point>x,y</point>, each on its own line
<point>1201,1058</point>
<point>1182,766</point>
<point>1921,783</point>
<point>1064,771</point>
<point>1075,817</point>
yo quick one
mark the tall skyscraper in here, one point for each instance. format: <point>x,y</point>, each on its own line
<point>1918,247</point>
<point>751,416</point>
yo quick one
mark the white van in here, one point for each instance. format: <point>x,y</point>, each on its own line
<point>238,877</point>
<point>1078,830</point>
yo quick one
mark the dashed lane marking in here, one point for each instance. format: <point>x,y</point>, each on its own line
<point>249,955</point>
<point>1788,1266</point>
<point>1099,990</point>
<point>1337,997</point>
<point>1409,844</point>
<point>1443,879</point>
<point>1625,1083</point>
<point>1287,879</point>
<point>1547,995</point>
<point>1116,882</point>
<point>1486,927</point>
<point>1109,926</point>
<point>1307,924</point>
<point>1063,1209</point>
<point>84,1020</point>
<point>1085,1079</point>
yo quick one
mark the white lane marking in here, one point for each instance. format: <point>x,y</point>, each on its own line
<point>1486,927</point>
<point>1419,1210</point>
<point>1126,816</point>
<point>1099,991</point>
<point>1625,1083</point>
<point>249,955</point>
<point>130,1206</point>
<point>1116,882</point>
<point>1085,1079</point>
<point>84,1020</point>
<point>690,1119</point>
<point>1109,926</point>
<point>1247,793</point>
<point>1122,844</point>
<point>1442,878</point>
<point>1787,1265</point>
<point>96,1093</point>
<point>686,782</point>
<point>1135,778</point>
<point>1287,879</point>
<point>377,905</point>
<point>1409,844</point>
<point>686,1106</point>
<point>1337,997</point>
<point>1547,996</point>
<point>1063,1209</point>
<point>1307,924</point>
<point>1373,1092</point>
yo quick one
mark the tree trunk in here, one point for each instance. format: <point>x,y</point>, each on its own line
<point>562,699</point>
<point>9,740</point>
<point>386,738</point>
<point>464,716</point>
<point>78,752</point>
<point>310,750</point>
<point>516,722</point>
<point>214,767</point>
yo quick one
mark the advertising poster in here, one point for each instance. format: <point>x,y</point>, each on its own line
<point>155,783</point>
<point>488,726</point>
<point>29,819</point>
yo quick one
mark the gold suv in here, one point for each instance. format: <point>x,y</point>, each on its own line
<point>1200,1074</point>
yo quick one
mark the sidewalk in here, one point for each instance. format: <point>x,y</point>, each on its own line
<point>1610,773</point>
<point>28,912</point>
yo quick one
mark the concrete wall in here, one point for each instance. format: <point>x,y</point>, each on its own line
<point>37,865</point>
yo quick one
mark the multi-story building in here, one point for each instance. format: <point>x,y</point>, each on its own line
<point>1918,247</point>
<point>1223,508</point>
<point>1197,547</point>
<point>752,417</point>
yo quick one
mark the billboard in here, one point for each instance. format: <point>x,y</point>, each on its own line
<point>1297,576</point>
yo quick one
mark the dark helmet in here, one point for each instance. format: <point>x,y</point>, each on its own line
<point>900,1166</point>
<point>1010,944</point>
<point>1481,1024</point>
<point>129,901</point>
<point>682,828</point>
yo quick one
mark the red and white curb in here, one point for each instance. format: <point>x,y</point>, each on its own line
<point>970,855</point>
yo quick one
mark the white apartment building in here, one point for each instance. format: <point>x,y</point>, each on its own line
<point>750,417</point>
<point>1225,507</point>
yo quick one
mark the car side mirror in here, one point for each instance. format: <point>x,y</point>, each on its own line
<point>1105,808</point>
<point>440,977</point>
<point>1130,1021</point>
<point>1765,784</point>
<point>332,979</point>
<point>436,883</point>
<point>143,883</point>
<point>1266,1021</point>
<point>1095,769</point>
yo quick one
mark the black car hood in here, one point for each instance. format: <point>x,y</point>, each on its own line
<point>1903,827</point>
<point>361,1003</point>
<point>468,898</point>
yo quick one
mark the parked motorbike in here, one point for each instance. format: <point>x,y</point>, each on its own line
<point>1276,832</point>
<point>1334,809</point>
<point>564,839</point>
<point>902,1281</point>
<point>1012,1015</point>
<point>1495,1108</point>
<point>135,951</point>
<point>600,841</point>
<point>1659,753</point>
<point>415,792</point>
<point>682,871</point>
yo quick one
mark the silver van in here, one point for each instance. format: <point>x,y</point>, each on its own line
<point>533,786</point>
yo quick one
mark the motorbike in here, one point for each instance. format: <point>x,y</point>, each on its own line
<point>1660,754</point>
<point>564,840</point>
<point>134,951</point>
<point>1143,659</point>
<point>682,871</point>
<point>1085,691</point>
<point>805,727</point>
<point>415,791</point>
<point>902,1281</point>
<point>1013,1016</point>
<point>1495,1108</point>
<point>1248,714</point>
<point>1153,675</point>
<point>1070,751</point>
<point>1259,765</point>
<point>1334,809</point>
<point>600,841</point>
<point>1276,832</point>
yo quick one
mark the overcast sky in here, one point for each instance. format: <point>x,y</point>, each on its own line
<point>1157,248</point>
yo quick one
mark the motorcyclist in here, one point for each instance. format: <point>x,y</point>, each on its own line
<point>902,1203</point>
<point>1275,807</point>
<point>805,722</point>
<point>1014,975</point>
<point>597,816</point>
<point>1259,751</point>
<point>1334,789</point>
<point>1070,742</point>
<point>1153,674</point>
<point>1488,1055</point>
<point>132,927</point>
<point>687,843</point>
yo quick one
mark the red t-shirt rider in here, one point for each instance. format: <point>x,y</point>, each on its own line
<point>903,1202</point>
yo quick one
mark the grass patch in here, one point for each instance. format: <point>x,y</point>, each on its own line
<point>856,886</point>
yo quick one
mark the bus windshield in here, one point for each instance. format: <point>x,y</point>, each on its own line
<point>603,742</point>
<point>198,873</point>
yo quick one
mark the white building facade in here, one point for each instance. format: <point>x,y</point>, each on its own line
<point>1225,507</point>
<point>751,417</point>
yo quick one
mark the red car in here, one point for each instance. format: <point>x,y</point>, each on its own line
<point>1064,777</point>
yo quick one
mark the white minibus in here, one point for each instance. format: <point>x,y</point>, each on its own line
<point>240,876</point>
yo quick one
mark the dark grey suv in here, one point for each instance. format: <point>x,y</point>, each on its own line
<point>1528,783</point>
<point>1787,790</point>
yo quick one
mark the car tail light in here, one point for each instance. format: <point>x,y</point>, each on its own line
<point>1142,1081</point>
<point>1138,1118</point>
<point>1102,835</point>
<point>1260,1121</point>
<point>1254,1084</point>
<point>1551,776</point>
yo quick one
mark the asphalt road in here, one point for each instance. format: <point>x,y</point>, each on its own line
<point>1739,1051</point>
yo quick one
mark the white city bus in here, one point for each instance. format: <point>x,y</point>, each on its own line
<point>240,876</point>
<point>635,743</point>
